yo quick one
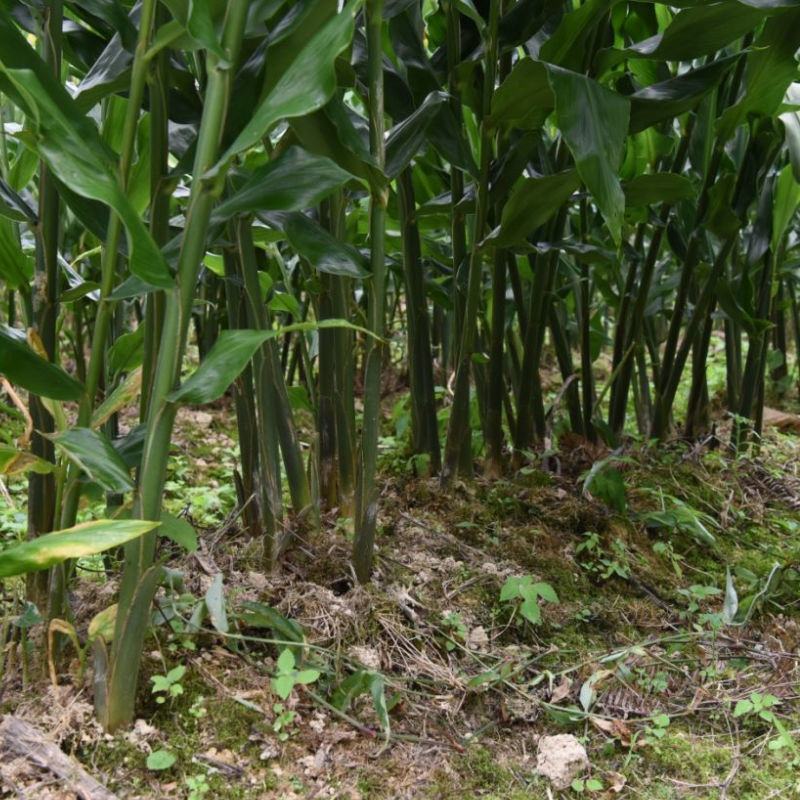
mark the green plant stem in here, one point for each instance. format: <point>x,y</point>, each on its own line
<point>425,426</point>
<point>129,634</point>
<point>366,495</point>
<point>108,265</point>
<point>458,430</point>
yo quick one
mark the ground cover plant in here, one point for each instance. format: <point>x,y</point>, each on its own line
<point>386,384</point>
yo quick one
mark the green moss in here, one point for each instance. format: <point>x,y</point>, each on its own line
<point>479,775</point>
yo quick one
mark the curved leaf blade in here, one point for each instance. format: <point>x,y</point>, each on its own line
<point>85,539</point>
<point>26,368</point>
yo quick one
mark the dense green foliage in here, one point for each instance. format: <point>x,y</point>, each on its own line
<point>555,213</point>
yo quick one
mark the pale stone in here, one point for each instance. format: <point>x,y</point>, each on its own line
<point>561,758</point>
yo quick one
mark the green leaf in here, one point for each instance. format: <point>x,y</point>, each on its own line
<point>770,69</point>
<point>102,624</point>
<point>530,610</point>
<point>215,603</point>
<point>176,673</point>
<point>282,685</point>
<point>229,356</point>
<point>594,123</point>
<point>787,199</point>
<point>664,187</point>
<point>513,587</point>
<point>407,137</point>
<point>306,676</point>
<point>351,687</point>
<point>259,615</point>
<point>26,368</point>
<point>85,539</point>
<point>608,485</point>
<point>524,99</point>
<point>127,351</point>
<point>14,207</point>
<point>14,461</point>
<point>378,692</point>
<point>16,269</point>
<point>321,249</point>
<point>286,661</point>
<point>532,202</point>
<point>546,592</point>
<point>70,144</point>
<point>699,31</point>
<point>160,760</point>
<point>731,604</point>
<point>178,530</point>
<point>305,85</point>
<point>672,97</point>
<point>742,707</point>
<point>567,46</point>
<point>292,182</point>
<point>94,454</point>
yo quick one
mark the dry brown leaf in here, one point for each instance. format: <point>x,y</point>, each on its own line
<point>561,691</point>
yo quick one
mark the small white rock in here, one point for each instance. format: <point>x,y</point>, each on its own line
<point>478,639</point>
<point>561,759</point>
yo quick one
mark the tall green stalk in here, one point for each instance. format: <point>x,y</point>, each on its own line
<point>425,427</point>
<point>108,264</point>
<point>117,705</point>
<point>42,488</point>
<point>366,494</point>
<point>458,430</point>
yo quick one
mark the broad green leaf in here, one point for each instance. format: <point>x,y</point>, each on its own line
<point>323,251</point>
<point>14,207</point>
<point>606,483</point>
<point>529,609</point>
<point>123,395</point>
<point>407,137</point>
<point>103,623</point>
<point>525,98</point>
<point>14,461</point>
<point>294,181</point>
<point>734,310</point>
<point>532,202</point>
<point>69,143</point>
<point>546,592</point>
<point>675,96</point>
<point>359,683</point>
<point>306,85</point>
<point>567,46</point>
<point>16,269</point>
<point>160,760</point>
<point>665,187</point>
<point>95,455</point>
<point>286,661</point>
<point>514,586</point>
<point>351,687</point>
<point>770,68</point>
<point>26,368</point>
<point>85,539</point>
<point>699,31</point>
<point>282,685</point>
<point>594,123</point>
<point>215,603</point>
<point>378,692</point>
<point>731,604</point>
<point>259,615</point>
<point>126,352</point>
<point>178,530</point>
<point>307,676</point>
<point>787,199</point>
<point>229,356</point>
